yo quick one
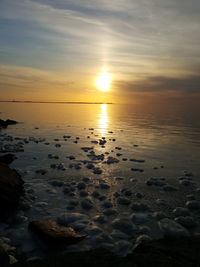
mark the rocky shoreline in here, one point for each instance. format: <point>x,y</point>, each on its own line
<point>176,252</point>
<point>179,246</point>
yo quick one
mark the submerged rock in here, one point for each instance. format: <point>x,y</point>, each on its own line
<point>54,234</point>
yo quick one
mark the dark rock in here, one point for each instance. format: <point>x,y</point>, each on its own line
<point>11,188</point>
<point>180,252</point>
<point>4,258</point>
<point>55,235</point>
<point>7,159</point>
<point>6,123</point>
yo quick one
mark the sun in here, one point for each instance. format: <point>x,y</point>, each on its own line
<point>103,81</point>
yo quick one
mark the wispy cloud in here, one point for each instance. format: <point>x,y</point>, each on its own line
<point>135,39</point>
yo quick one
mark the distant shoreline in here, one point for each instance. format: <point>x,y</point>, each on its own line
<point>49,102</point>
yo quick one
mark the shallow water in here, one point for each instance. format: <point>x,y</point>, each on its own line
<point>163,141</point>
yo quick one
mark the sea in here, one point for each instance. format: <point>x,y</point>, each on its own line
<point>122,167</point>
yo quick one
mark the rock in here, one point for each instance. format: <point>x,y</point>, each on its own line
<point>171,228</point>
<point>124,225</point>
<point>83,193</point>
<point>6,123</point>
<point>99,219</point>
<point>116,234</point>
<point>54,234</point>
<point>122,247</point>
<point>111,160</point>
<point>139,218</point>
<point>97,170</point>
<point>7,159</point>
<point>187,221</point>
<point>95,194</point>
<point>56,183</point>
<point>70,218</point>
<point>139,195</point>
<point>11,188</point>
<point>179,211</point>
<point>94,230</point>
<point>4,257</point>
<point>177,252</point>
<point>142,238</point>
<point>123,201</point>
<point>81,185</point>
<point>140,207</point>
<point>169,188</point>
<point>87,204</point>
<point>158,215</point>
<point>109,212</point>
<point>161,202</point>
<point>156,181</point>
<point>144,230</point>
<point>104,186</point>
<point>107,204</point>
<point>12,259</point>
<point>193,205</point>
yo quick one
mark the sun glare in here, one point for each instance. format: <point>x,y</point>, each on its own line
<point>103,81</point>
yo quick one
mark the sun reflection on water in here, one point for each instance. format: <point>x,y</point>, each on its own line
<point>103,119</point>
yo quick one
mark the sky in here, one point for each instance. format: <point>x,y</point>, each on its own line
<point>54,50</point>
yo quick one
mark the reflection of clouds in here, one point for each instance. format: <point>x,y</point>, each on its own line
<point>103,120</point>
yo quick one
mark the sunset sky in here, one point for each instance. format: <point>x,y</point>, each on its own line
<point>54,50</point>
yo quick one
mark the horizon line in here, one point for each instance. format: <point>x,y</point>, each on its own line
<point>52,102</point>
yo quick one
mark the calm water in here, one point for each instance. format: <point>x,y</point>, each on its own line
<point>160,135</point>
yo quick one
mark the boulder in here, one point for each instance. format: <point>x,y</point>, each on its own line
<point>55,235</point>
<point>4,257</point>
<point>7,159</point>
<point>4,124</point>
<point>11,188</point>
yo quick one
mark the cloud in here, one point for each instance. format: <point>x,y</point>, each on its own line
<point>189,84</point>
